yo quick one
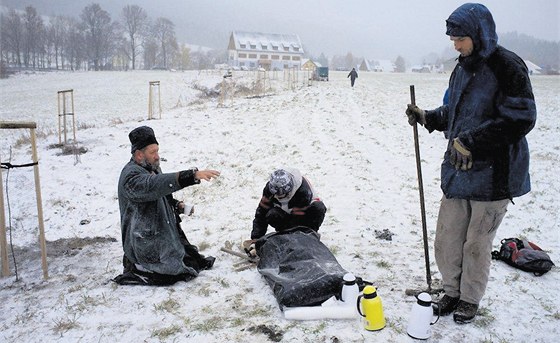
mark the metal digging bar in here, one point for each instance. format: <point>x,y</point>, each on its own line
<point>422,209</point>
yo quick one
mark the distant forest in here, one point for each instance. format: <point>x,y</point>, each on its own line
<point>95,41</point>
<point>545,54</point>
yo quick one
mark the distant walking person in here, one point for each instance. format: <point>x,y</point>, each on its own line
<point>353,75</point>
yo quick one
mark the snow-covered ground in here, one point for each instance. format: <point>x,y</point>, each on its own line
<point>355,146</point>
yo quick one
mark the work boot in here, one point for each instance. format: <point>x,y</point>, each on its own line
<point>465,312</point>
<point>445,305</point>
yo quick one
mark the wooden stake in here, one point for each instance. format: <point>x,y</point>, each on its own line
<point>42,241</point>
<point>3,243</point>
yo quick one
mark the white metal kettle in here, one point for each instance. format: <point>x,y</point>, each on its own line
<point>420,321</point>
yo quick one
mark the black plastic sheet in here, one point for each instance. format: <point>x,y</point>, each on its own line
<point>299,268</point>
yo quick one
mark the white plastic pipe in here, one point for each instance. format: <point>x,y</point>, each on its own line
<point>319,312</point>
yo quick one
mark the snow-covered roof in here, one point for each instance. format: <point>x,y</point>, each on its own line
<point>378,65</point>
<point>258,41</point>
<point>533,68</point>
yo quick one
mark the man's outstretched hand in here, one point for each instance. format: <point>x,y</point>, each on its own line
<point>206,174</point>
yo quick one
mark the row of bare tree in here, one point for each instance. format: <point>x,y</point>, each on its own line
<point>93,42</point>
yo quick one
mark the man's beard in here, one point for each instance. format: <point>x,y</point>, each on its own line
<point>149,166</point>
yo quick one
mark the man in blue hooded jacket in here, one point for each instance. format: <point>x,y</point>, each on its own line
<point>490,111</point>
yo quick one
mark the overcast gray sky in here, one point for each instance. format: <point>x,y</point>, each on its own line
<point>366,28</point>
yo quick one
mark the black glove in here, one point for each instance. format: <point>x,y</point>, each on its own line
<point>186,177</point>
<point>415,115</point>
<point>459,156</point>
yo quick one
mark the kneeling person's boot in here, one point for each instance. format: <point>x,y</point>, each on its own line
<point>465,312</point>
<point>208,262</point>
<point>445,306</point>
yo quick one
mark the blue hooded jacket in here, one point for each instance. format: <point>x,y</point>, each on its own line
<point>491,108</point>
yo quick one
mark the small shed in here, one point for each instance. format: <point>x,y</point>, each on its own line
<point>309,65</point>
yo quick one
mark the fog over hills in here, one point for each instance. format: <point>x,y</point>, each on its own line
<point>371,29</point>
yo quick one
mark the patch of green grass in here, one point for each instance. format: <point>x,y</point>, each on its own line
<point>484,318</point>
<point>237,322</point>
<point>512,278</point>
<point>383,264</point>
<point>334,249</point>
<point>319,328</point>
<point>204,290</point>
<point>84,126</point>
<point>169,305</point>
<point>258,311</point>
<point>203,245</point>
<point>163,333</point>
<point>63,325</point>
<point>75,288</point>
<point>223,283</point>
<point>24,318</point>
<point>394,324</point>
<point>209,325</point>
<point>493,340</point>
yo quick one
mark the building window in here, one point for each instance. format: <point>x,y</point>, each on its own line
<point>242,55</point>
<point>296,49</point>
<point>253,46</point>
<point>252,55</point>
<point>242,46</point>
<point>286,48</point>
<point>264,57</point>
<point>295,58</point>
<point>275,57</point>
<point>264,47</point>
<point>275,48</point>
<point>285,58</point>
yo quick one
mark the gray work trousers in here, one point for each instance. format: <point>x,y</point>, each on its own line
<point>463,246</point>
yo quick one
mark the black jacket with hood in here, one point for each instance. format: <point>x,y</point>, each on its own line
<point>491,108</point>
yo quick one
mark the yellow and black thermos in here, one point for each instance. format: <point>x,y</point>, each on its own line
<point>370,307</point>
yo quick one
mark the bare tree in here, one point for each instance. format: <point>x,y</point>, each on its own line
<point>75,45</point>
<point>182,59</point>
<point>349,61</point>
<point>33,27</point>
<point>400,65</point>
<point>164,33</point>
<point>135,22</point>
<point>57,31</point>
<point>99,34</point>
<point>150,53</point>
<point>12,37</point>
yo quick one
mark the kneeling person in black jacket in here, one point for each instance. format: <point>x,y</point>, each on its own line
<point>288,201</point>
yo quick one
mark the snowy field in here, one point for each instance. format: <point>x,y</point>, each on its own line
<point>355,146</point>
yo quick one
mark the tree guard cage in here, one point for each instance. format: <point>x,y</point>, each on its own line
<point>291,76</point>
<point>65,108</point>
<point>3,243</point>
<point>154,88</point>
<point>261,83</point>
<point>227,89</point>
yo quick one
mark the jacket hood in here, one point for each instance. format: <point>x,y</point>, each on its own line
<point>476,21</point>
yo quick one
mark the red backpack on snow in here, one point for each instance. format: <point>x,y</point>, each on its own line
<point>524,255</point>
